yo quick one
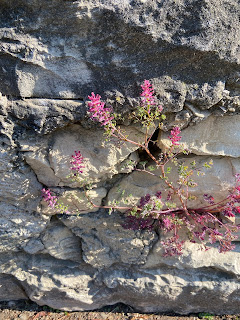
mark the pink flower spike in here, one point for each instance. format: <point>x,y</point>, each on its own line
<point>98,111</point>
<point>77,163</point>
<point>148,99</point>
<point>174,136</point>
<point>49,198</point>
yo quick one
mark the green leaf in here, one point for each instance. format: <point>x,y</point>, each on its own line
<point>168,170</point>
<point>151,168</point>
<point>193,163</point>
<point>143,163</point>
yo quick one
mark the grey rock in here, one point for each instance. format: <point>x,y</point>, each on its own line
<point>61,243</point>
<point>129,164</point>
<point>6,125</point>
<point>105,241</point>
<point>75,202</point>
<point>34,246</point>
<point>18,184</point>
<point>101,159</point>
<point>18,227</point>
<point>78,203</point>
<point>19,199</point>
<point>45,278</point>
<point>41,166</point>
<point>171,93</point>
<point>197,113</point>
<point>10,288</point>
<point>195,257</point>
<point>165,289</point>
<point>67,285</point>
<point>231,104</point>
<point>206,95</point>
<point>216,136</point>
<point>45,115</point>
<point>54,53</point>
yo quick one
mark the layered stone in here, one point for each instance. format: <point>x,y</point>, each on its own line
<point>215,136</point>
<point>53,55</point>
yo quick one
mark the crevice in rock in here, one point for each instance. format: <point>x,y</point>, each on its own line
<point>11,97</point>
<point>153,148</point>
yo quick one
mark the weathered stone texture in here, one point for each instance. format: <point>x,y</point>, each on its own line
<point>65,49</point>
<point>61,243</point>
<point>216,136</point>
<point>150,289</point>
<point>105,241</point>
<point>53,55</point>
<point>10,289</point>
<point>101,158</point>
<point>195,256</point>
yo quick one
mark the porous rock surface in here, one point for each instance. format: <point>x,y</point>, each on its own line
<point>53,55</point>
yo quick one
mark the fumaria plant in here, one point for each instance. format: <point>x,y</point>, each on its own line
<point>211,223</point>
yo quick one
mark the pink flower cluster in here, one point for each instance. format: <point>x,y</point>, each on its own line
<point>77,163</point>
<point>174,137</point>
<point>172,246</point>
<point>147,95</point>
<point>98,111</point>
<point>49,198</point>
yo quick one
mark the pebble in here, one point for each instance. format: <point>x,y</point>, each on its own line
<point>23,316</point>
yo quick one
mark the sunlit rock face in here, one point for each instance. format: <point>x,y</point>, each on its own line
<point>53,55</point>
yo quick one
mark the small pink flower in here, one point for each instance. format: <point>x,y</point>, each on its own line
<point>158,194</point>
<point>167,223</point>
<point>237,209</point>
<point>174,136</point>
<point>148,100</point>
<point>237,176</point>
<point>49,198</point>
<point>98,111</point>
<point>77,163</point>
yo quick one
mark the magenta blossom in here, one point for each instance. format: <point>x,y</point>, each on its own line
<point>49,198</point>
<point>77,163</point>
<point>148,98</point>
<point>98,111</point>
<point>147,95</point>
<point>167,223</point>
<point>174,137</point>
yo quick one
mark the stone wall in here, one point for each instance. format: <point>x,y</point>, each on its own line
<point>55,53</point>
